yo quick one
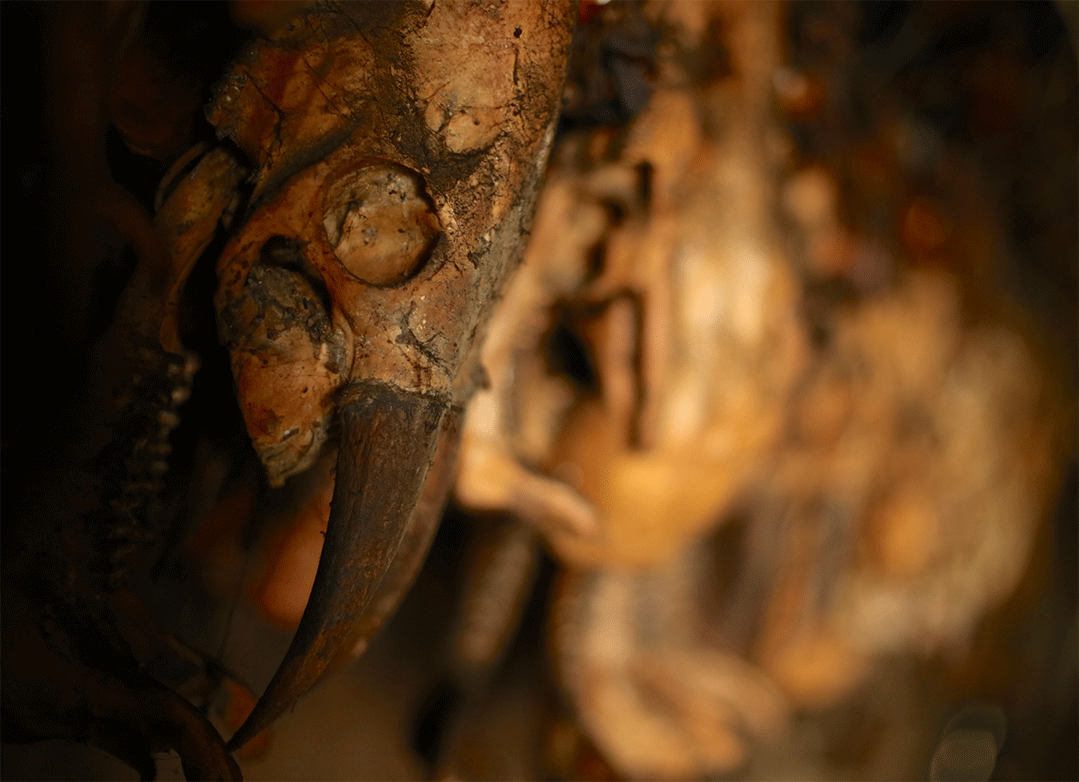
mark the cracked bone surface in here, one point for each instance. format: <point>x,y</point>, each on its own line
<point>397,152</point>
<point>890,481</point>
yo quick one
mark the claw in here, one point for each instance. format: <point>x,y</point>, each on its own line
<point>388,439</point>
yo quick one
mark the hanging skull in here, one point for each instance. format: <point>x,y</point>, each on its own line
<point>654,376</point>
<point>642,365</point>
<point>397,151</point>
<point>661,263</point>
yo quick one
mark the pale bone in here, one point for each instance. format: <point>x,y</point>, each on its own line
<point>715,296</point>
<point>734,403</point>
<point>631,478</point>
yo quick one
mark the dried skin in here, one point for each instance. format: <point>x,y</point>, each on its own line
<point>892,475</point>
<point>108,470</point>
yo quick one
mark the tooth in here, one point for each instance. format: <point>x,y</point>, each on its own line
<point>388,439</point>
<point>419,533</point>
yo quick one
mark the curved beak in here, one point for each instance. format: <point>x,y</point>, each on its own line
<point>388,439</point>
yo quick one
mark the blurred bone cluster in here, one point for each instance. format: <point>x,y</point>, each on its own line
<point>772,445</point>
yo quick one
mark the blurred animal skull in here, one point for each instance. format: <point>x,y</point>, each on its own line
<point>654,376</point>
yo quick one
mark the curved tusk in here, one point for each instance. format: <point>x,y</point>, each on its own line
<point>388,439</point>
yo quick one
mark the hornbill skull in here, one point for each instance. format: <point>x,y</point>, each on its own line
<point>397,152</point>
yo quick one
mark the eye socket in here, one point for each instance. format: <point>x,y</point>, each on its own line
<point>288,255</point>
<point>380,224</point>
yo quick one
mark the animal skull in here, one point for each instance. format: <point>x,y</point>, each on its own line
<point>876,476</point>
<point>396,152</point>
<point>691,322</point>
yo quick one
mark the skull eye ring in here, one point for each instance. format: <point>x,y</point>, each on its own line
<point>380,223</point>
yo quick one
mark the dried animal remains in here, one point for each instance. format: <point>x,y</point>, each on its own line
<point>722,354</point>
<point>373,169</point>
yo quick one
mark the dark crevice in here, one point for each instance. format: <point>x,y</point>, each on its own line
<point>568,356</point>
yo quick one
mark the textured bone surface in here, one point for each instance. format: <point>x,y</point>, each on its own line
<point>397,158</point>
<point>378,224</point>
<point>382,198</point>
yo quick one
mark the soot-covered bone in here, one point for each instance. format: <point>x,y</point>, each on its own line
<point>398,152</point>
